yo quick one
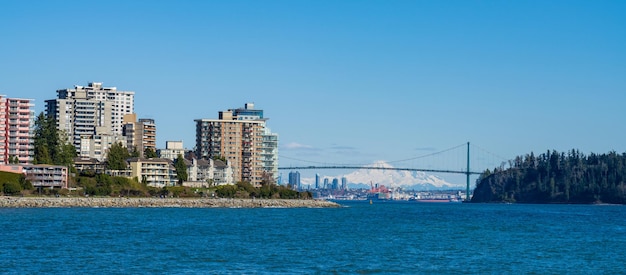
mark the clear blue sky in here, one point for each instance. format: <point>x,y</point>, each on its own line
<point>341,81</point>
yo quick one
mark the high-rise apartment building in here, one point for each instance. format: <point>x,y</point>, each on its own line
<point>140,134</point>
<point>16,130</point>
<point>269,153</point>
<point>92,116</point>
<point>241,137</point>
<point>238,141</point>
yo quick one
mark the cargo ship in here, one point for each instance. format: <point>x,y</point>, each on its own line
<point>429,197</point>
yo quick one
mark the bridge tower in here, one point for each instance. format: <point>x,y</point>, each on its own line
<point>467,174</point>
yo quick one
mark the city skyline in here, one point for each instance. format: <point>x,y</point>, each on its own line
<point>351,82</point>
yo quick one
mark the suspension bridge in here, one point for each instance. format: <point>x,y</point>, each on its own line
<point>424,163</point>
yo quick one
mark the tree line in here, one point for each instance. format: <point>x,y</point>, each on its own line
<point>268,190</point>
<point>553,177</point>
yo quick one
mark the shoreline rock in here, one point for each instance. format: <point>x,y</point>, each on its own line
<point>125,202</point>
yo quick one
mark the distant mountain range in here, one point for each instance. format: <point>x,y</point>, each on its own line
<point>407,180</point>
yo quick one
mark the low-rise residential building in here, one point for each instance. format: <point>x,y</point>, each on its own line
<point>205,173</point>
<point>41,175</point>
<point>12,168</point>
<point>155,172</point>
<point>83,164</point>
<point>222,173</point>
<point>48,176</point>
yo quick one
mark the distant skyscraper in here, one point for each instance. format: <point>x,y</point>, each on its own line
<point>317,181</point>
<point>335,184</point>
<point>326,186</point>
<point>344,183</point>
<point>16,130</point>
<point>294,179</point>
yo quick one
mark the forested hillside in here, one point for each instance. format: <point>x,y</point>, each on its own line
<point>555,177</point>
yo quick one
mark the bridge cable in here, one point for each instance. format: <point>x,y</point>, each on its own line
<point>428,155</point>
<point>495,157</point>
<point>317,162</point>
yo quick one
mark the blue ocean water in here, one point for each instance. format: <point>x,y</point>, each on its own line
<point>382,238</point>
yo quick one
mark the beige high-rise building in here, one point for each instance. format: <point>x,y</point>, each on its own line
<point>238,140</point>
<point>91,115</point>
<point>140,134</point>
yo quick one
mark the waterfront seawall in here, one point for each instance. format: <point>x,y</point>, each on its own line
<point>44,202</point>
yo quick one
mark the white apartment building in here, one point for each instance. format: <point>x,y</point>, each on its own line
<point>172,150</point>
<point>205,172</point>
<point>269,153</point>
<point>84,113</point>
<point>97,146</point>
<point>48,176</point>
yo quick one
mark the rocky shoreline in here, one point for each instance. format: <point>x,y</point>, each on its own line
<point>48,202</point>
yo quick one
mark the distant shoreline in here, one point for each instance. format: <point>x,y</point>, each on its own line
<point>126,202</point>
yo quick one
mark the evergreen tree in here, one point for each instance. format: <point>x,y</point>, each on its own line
<point>51,146</point>
<point>181,169</point>
<point>117,156</point>
<point>14,160</point>
<point>42,140</point>
<point>149,153</point>
<point>65,155</point>
<point>568,177</point>
<point>134,153</point>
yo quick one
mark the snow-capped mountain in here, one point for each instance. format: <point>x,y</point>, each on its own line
<point>392,178</point>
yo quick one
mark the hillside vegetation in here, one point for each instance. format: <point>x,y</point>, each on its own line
<point>555,177</point>
<point>103,185</point>
<point>13,183</point>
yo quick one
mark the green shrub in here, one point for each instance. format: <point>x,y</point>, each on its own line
<point>11,188</point>
<point>226,191</point>
<point>25,184</point>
